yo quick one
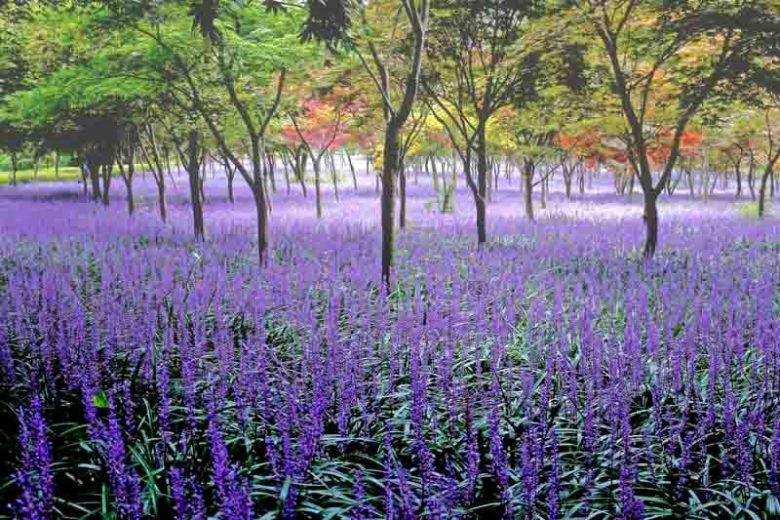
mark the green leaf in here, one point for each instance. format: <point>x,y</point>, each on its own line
<point>100,400</point>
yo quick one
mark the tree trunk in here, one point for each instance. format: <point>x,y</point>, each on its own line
<point>14,169</point>
<point>127,177</point>
<point>738,175</point>
<point>434,176</point>
<point>768,171</point>
<point>160,181</point>
<point>402,196</point>
<point>317,191</point>
<point>106,169</point>
<point>286,168</point>
<point>84,176</point>
<point>94,177</point>
<point>300,169</point>
<point>482,177</point>
<point>271,161</point>
<point>36,164</point>
<point>352,169</point>
<point>56,164</point>
<point>261,210</point>
<point>751,180</point>
<point>528,177</point>
<point>334,176</point>
<point>390,168</point>
<point>193,172</point>
<point>651,223</point>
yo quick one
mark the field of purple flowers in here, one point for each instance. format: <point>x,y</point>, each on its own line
<point>552,374</point>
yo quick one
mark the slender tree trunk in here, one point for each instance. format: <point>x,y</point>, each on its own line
<point>94,176</point>
<point>334,176</point>
<point>352,169</point>
<point>193,172</point>
<point>106,169</point>
<point>84,177</point>
<point>14,169</point>
<point>231,174</point>
<point>271,160</point>
<point>434,176</point>
<point>56,164</point>
<point>738,175</point>
<point>36,164</point>
<point>317,190</point>
<point>262,223</point>
<point>482,176</point>
<point>285,166</point>
<point>390,168</point>
<point>768,171</point>
<point>300,169</point>
<point>161,197</point>
<point>651,223</point>
<point>402,196</point>
<point>528,177</point>
<point>127,178</point>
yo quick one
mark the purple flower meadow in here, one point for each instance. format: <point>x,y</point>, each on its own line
<point>551,374</point>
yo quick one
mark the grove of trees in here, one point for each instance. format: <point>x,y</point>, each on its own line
<point>658,95</point>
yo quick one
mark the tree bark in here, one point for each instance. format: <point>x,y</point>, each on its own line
<point>261,210</point>
<point>651,223</point>
<point>106,169</point>
<point>389,170</point>
<point>352,169</point>
<point>193,172</point>
<point>317,190</point>
<point>768,171</point>
<point>14,168</point>
<point>482,176</point>
<point>334,176</point>
<point>528,177</point>
<point>402,196</point>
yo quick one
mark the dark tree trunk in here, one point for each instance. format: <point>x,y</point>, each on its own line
<point>567,179</point>
<point>130,197</point>
<point>161,198</point>
<point>768,172</point>
<point>106,169</point>
<point>352,169</point>
<point>193,172</point>
<point>317,190</point>
<point>334,176</point>
<point>262,222</point>
<point>127,178</point>
<point>392,158</point>
<point>271,161</point>
<point>94,177</point>
<point>231,174</point>
<point>15,168</point>
<point>402,196</point>
<point>651,223</point>
<point>84,178</point>
<point>56,165</point>
<point>528,177</point>
<point>286,168</point>
<point>482,178</point>
<point>300,169</point>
